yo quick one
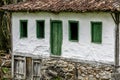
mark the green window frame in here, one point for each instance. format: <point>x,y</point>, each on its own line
<point>96,32</point>
<point>23,28</point>
<point>74,31</point>
<point>40,29</point>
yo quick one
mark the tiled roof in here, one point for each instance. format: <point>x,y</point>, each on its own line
<point>65,5</point>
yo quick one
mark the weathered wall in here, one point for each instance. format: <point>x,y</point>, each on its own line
<point>84,49</point>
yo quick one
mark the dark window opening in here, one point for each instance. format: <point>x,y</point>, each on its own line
<point>23,29</point>
<point>40,29</point>
<point>73,31</point>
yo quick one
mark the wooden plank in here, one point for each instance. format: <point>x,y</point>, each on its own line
<point>25,68</point>
<point>19,58</point>
<point>12,66</point>
<point>37,62</point>
<point>117,41</point>
<point>36,69</point>
<point>19,67</point>
<point>116,18</point>
<point>28,68</point>
<point>19,73</point>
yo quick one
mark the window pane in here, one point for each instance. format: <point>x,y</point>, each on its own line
<point>23,29</point>
<point>96,32</point>
<point>40,29</point>
<point>73,31</point>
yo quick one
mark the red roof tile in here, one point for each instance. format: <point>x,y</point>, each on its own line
<point>65,5</point>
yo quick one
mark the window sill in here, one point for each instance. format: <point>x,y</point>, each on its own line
<point>55,56</point>
<point>23,37</point>
<point>40,38</point>
<point>97,42</point>
<point>73,40</point>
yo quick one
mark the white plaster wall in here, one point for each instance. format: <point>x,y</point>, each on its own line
<point>84,49</point>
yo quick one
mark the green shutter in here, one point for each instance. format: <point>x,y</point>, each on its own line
<point>23,28</point>
<point>40,29</point>
<point>96,32</point>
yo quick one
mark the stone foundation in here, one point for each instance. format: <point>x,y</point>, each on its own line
<point>59,69</point>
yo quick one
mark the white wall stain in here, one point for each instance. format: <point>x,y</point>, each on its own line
<point>84,49</point>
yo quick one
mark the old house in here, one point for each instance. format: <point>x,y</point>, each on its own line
<point>73,29</point>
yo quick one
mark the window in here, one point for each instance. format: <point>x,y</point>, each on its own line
<point>73,30</point>
<point>40,29</point>
<point>96,30</point>
<point>23,28</point>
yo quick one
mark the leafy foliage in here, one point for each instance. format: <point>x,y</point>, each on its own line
<point>5,70</point>
<point>5,27</point>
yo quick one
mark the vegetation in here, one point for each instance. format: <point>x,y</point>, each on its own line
<point>5,27</point>
<point>5,39</point>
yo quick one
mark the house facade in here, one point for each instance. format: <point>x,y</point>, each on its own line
<point>71,29</point>
<point>74,35</point>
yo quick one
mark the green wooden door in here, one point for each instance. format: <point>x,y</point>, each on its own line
<point>56,37</point>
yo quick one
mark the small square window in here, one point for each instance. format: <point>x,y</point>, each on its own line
<point>73,30</point>
<point>23,28</point>
<point>40,29</point>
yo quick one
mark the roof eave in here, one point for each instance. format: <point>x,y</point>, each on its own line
<point>31,11</point>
